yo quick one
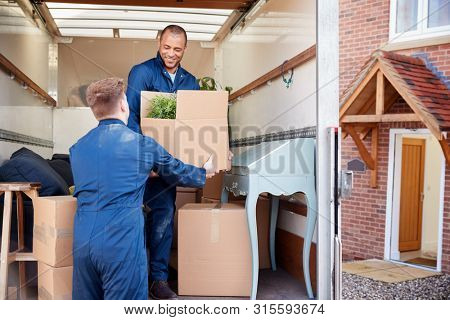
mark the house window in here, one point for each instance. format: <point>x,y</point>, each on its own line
<point>418,19</point>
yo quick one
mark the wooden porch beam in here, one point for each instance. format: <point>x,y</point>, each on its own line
<point>365,155</point>
<point>446,150</point>
<point>412,101</point>
<point>374,172</point>
<point>358,89</point>
<point>363,110</point>
<point>389,103</point>
<point>395,117</point>
<point>380,93</point>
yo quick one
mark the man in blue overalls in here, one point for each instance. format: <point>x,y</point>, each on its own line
<point>162,74</point>
<point>111,165</point>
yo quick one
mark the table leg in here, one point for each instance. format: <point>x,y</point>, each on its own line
<point>21,244</point>
<point>250,207</point>
<point>224,196</point>
<point>310,227</point>
<point>5,245</point>
<point>273,228</point>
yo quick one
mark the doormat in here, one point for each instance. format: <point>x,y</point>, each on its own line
<point>385,271</point>
<point>423,262</point>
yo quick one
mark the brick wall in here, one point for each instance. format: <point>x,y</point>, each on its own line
<point>364,213</point>
<point>364,28</point>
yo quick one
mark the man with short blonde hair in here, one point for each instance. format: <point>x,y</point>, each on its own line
<point>101,95</point>
<point>110,166</point>
<point>163,73</point>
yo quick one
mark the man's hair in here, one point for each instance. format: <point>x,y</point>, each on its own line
<point>177,30</point>
<point>102,96</point>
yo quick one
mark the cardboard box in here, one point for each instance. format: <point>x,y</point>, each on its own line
<point>54,283</point>
<point>213,187</point>
<point>213,250</point>
<point>208,200</point>
<point>184,196</point>
<point>263,225</point>
<point>199,130</point>
<point>53,230</point>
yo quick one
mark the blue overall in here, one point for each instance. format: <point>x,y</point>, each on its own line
<point>159,195</point>
<point>110,167</point>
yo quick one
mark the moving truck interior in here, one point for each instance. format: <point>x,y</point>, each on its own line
<point>280,59</point>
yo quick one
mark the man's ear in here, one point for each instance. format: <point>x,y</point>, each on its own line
<point>123,107</point>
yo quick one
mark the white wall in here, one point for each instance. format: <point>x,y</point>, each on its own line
<point>20,111</point>
<point>69,125</point>
<point>279,31</point>
<point>27,48</point>
<point>275,108</point>
<point>89,59</point>
<point>32,121</point>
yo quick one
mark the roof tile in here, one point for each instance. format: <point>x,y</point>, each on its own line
<point>420,81</point>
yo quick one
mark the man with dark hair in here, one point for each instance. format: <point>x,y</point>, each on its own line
<point>110,167</point>
<point>163,74</point>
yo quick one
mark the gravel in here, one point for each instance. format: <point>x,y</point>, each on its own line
<point>355,287</point>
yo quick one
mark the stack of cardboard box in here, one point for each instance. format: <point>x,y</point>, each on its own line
<point>212,239</point>
<point>214,256</point>
<point>212,193</point>
<point>52,246</point>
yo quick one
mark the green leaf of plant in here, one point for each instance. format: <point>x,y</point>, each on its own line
<point>163,107</point>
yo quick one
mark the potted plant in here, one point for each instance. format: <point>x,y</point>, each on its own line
<point>209,84</point>
<point>163,107</point>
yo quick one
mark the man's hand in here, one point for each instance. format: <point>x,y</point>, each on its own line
<point>153,174</point>
<point>209,167</point>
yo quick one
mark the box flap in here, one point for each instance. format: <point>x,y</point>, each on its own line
<point>211,206</point>
<point>58,198</point>
<point>197,140</point>
<point>196,104</point>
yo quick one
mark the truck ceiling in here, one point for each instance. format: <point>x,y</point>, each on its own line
<point>203,20</point>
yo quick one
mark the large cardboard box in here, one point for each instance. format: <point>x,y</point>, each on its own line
<point>263,225</point>
<point>184,196</point>
<point>199,130</point>
<point>53,230</point>
<point>213,250</point>
<point>54,283</point>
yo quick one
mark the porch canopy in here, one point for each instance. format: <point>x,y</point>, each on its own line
<point>383,79</point>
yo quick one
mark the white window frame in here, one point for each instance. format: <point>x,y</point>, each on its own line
<point>422,32</point>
